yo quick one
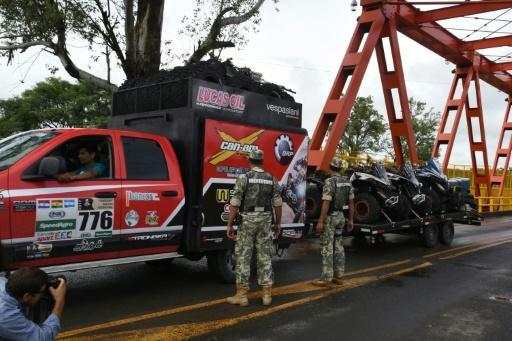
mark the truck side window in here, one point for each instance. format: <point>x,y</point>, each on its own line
<point>145,159</point>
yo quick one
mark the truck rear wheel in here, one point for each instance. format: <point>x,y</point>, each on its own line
<point>313,201</point>
<point>446,233</point>
<point>430,236</point>
<point>222,264</point>
<point>366,208</point>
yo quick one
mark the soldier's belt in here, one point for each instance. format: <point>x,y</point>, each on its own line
<point>257,209</point>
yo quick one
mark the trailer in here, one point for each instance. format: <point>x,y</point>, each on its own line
<point>433,229</point>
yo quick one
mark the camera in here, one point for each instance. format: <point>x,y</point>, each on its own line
<point>53,281</point>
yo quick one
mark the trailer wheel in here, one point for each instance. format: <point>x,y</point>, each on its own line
<point>446,233</point>
<point>430,236</point>
<point>222,264</point>
<point>313,201</point>
<point>366,208</point>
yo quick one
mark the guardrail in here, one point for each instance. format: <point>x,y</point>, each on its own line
<point>494,204</point>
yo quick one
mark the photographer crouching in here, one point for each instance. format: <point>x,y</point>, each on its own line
<point>22,290</point>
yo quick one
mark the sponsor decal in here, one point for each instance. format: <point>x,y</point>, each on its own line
<point>141,196</point>
<point>53,236</point>
<point>231,146</point>
<point>103,234</point>
<point>232,171</point>
<point>224,216</point>
<point>62,225</point>
<point>292,234</point>
<point>222,195</point>
<point>218,99</point>
<point>43,204</point>
<point>57,204</point>
<point>131,218</point>
<point>287,111</point>
<point>162,236</point>
<point>37,250</point>
<point>56,214</point>
<point>152,218</point>
<point>283,149</point>
<point>85,204</point>
<point>24,205</point>
<point>214,240</point>
<point>86,235</point>
<point>86,245</point>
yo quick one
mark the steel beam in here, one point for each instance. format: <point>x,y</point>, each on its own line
<point>502,152</point>
<point>487,43</point>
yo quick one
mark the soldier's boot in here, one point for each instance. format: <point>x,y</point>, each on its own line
<point>266,299</point>
<point>240,298</point>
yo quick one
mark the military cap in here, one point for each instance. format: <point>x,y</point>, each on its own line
<point>336,163</point>
<point>256,155</point>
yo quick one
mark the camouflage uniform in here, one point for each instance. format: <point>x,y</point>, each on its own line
<point>337,190</point>
<point>260,188</point>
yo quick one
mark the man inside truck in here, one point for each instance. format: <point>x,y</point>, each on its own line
<point>89,167</point>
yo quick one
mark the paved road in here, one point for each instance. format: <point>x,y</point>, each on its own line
<point>395,290</point>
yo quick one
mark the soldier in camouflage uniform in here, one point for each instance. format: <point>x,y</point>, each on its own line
<point>255,193</point>
<point>337,190</point>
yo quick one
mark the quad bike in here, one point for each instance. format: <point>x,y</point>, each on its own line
<point>406,181</point>
<point>376,194</point>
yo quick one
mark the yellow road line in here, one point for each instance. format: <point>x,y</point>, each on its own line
<point>476,249</point>
<point>429,255</point>
<point>189,330</point>
<point>303,287</point>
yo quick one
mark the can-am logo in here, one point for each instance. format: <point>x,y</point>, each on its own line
<point>231,146</point>
<point>283,149</point>
<point>217,99</point>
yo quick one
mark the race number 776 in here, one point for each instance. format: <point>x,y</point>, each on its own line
<point>91,220</point>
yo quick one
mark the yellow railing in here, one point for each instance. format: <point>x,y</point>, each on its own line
<point>494,204</point>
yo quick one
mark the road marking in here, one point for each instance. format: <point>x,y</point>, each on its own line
<point>189,330</point>
<point>476,249</point>
<point>448,250</point>
<point>300,287</point>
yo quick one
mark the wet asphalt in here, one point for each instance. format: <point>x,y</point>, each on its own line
<point>426,297</point>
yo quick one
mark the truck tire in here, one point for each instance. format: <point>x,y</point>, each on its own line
<point>430,236</point>
<point>446,233</point>
<point>366,208</point>
<point>222,264</point>
<point>313,201</point>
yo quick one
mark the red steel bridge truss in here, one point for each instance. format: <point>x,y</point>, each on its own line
<point>377,29</point>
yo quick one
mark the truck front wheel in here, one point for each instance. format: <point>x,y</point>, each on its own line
<point>222,264</point>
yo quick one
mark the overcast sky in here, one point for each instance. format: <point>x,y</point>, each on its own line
<point>301,47</point>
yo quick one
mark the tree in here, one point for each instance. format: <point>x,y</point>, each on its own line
<point>128,31</point>
<point>365,129</point>
<point>55,104</point>
<point>425,124</point>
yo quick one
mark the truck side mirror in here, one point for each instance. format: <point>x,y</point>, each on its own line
<point>49,167</point>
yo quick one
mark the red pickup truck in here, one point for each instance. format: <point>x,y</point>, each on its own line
<point>171,159</point>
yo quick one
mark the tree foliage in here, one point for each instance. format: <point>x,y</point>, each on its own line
<point>55,103</point>
<point>126,32</point>
<point>364,130</point>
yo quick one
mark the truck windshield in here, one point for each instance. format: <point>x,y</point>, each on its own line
<point>17,146</point>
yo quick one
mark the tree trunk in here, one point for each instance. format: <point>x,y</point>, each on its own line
<point>148,37</point>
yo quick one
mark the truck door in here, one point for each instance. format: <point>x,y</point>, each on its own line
<point>55,222</point>
<point>152,196</point>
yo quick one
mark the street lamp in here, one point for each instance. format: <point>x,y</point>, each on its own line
<point>353,5</point>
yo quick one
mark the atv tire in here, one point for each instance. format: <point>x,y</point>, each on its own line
<point>402,209</point>
<point>313,201</point>
<point>366,208</point>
